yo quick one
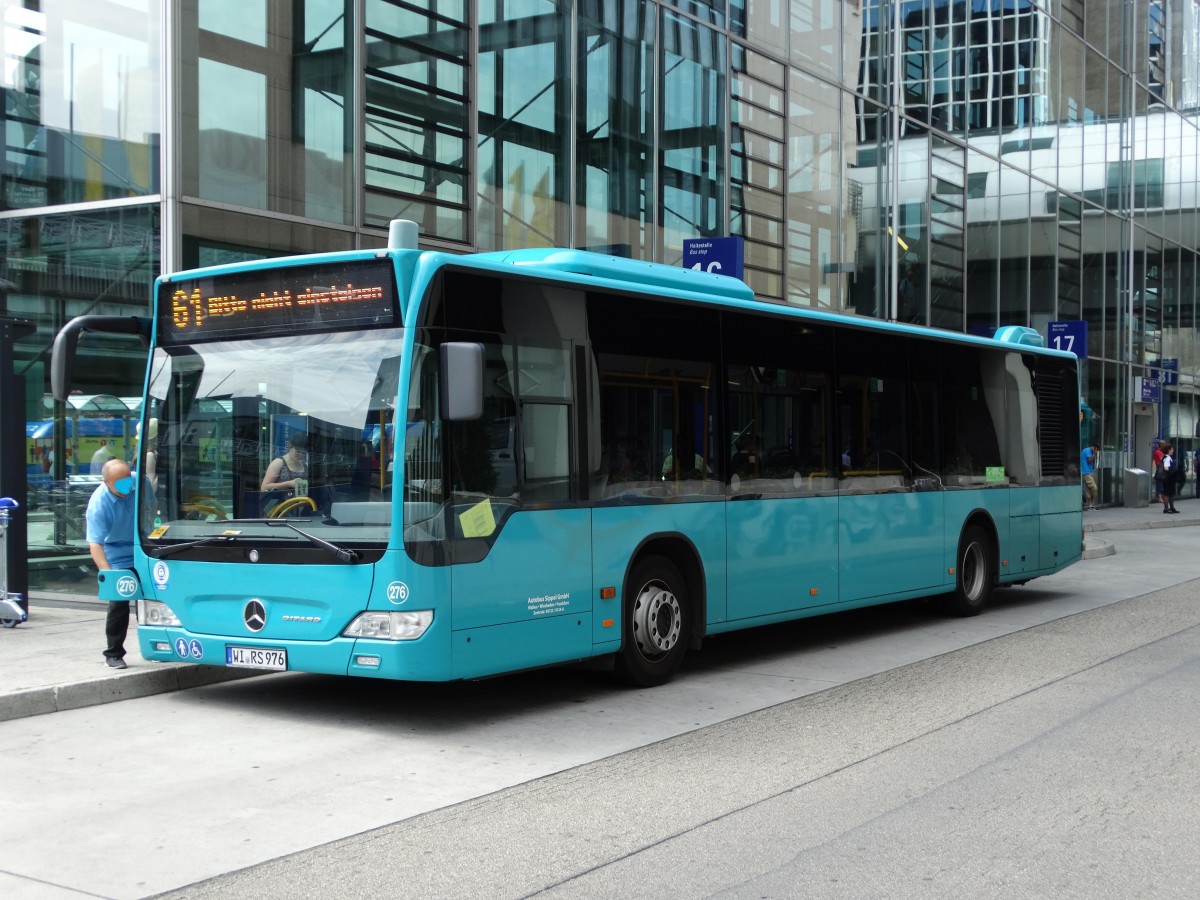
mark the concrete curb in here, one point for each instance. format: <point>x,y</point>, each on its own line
<point>121,685</point>
<point>1171,522</point>
<point>1094,549</point>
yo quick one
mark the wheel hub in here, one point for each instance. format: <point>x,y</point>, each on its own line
<point>657,620</point>
<point>973,571</point>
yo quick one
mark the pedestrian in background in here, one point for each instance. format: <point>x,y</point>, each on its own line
<point>110,541</point>
<point>1089,459</point>
<point>1168,477</point>
<point>1156,458</point>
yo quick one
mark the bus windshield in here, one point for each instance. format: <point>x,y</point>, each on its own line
<point>296,429</point>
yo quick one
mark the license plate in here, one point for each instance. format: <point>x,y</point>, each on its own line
<point>256,658</point>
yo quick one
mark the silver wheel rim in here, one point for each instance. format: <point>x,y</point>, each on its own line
<point>974,571</point>
<point>657,620</point>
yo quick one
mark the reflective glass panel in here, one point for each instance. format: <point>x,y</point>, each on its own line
<point>270,108</point>
<point>523,136</point>
<point>245,20</point>
<point>816,33</point>
<point>692,158</point>
<point>53,268</point>
<point>80,81</point>
<point>416,116</point>
<point>614,126</point>
<point>815,186</point>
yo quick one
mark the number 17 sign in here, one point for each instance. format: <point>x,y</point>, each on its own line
<point>1069,336</point>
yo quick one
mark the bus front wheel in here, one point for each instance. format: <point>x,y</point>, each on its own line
<point>975,574</point>
<point>654,631</point>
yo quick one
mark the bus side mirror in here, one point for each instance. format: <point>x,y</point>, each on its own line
<point>462,381</point>
<point>62,361</point>
<point>62,357</point>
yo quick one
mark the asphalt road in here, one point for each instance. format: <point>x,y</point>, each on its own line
<point>1059,761</point>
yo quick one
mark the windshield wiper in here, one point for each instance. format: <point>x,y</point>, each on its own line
<point>342,554</point>
<point>172,549</point>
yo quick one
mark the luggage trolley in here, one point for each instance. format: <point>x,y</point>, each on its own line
<point>11,613</point>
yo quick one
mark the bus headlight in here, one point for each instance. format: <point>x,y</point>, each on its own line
<point>390,626</point>
<point>153,612</point>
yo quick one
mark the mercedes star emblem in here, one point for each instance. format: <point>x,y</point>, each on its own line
<point>255,615</point>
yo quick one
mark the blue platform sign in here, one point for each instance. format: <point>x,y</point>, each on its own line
<point>1170,372</point>
<point>1150,390</point>
<point>1071,336</point>
<point>719,255</point>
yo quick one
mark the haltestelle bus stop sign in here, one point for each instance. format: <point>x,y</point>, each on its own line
<point>1071,336</point>
<point>719,255</point>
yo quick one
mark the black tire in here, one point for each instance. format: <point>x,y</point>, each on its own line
<point>975,574</point>
<point>656,615</point>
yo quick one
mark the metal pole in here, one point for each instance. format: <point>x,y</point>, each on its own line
<point>891,304</point>
<point>14,479</point>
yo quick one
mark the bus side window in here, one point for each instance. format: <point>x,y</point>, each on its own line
<point>873,410</point>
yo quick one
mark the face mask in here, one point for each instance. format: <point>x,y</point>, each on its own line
<point>123,485</point>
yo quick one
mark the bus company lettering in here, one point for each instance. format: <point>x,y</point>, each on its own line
<point>549,603</point>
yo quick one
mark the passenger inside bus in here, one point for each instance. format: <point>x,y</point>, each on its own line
<point>747,462</point>
<point>289,473</point>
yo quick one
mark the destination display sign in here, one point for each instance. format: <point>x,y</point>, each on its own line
<point>286,300</point>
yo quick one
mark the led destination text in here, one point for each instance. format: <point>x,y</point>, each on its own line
<point>191,310</point>
<point>287,300</point>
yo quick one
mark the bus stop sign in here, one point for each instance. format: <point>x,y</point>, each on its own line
<point>1071,336</point>
<point>719,255</point>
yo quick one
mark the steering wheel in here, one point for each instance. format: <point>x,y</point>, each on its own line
<point>289,504</point>
<point>207,506</point>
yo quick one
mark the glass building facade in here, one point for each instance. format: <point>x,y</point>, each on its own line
<point>960,165</point>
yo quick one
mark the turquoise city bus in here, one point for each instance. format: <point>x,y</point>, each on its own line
<point>528,458</point>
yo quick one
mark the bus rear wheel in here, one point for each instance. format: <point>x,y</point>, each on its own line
<point>975,574</point>
<point>654,630</point>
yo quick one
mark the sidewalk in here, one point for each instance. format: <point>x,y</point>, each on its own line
<point>53,662</point>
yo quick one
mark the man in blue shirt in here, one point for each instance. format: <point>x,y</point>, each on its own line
<point>1089,459</point>
<point>110,541</point>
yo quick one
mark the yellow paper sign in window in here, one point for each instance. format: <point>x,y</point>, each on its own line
<point>478,521</point>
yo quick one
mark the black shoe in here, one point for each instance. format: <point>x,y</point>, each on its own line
<point>115,662</point>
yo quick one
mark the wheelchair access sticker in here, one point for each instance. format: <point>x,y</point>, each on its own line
<point>184,649</point>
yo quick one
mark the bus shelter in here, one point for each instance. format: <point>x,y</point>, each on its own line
<point>64,457</point>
